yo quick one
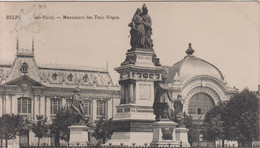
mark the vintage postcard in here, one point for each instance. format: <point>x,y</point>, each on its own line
<point>129,61</point>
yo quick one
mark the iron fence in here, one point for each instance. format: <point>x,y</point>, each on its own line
<point>122,146</point>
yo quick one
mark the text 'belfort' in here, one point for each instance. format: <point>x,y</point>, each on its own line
<point>66,17</point>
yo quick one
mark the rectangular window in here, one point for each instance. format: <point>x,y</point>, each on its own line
<point>199,111</point>
<point>101,109</point>
<point>87,107</point>
<point>55,105</point>
<point>68,103</point>
<point>24,106</point>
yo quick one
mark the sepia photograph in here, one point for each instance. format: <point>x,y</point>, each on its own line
<point>129,74</point>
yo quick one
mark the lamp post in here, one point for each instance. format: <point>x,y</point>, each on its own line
<point>198,120</point>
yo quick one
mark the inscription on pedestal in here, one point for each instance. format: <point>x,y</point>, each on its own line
<point>143,60</point>
<point>145,92</point>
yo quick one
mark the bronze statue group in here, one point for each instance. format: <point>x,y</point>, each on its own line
<point>141,29</point>
<point>164,106</point>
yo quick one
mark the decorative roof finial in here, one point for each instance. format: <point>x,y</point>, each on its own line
<point>189,51</point>
<point>17,45</point>
<point>32,45</point>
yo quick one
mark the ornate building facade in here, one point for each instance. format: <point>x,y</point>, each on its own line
<point>30,89</point>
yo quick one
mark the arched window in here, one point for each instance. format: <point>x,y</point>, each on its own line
<point>70,77</point>
<point>24,68</point>
<point>54,76</point>
<point>200,103</point>
<point>85,78</point>
<point>24,105</point>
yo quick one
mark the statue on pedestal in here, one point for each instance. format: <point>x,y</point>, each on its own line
<point>77,105</point>
<point>161,105</point>
<point>178,106</point>
<point>141,29</point>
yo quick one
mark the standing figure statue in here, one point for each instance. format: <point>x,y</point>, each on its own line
<point>77,105</point>
<point>137,30</point>
<point>141,30</point>
<point>148,27</point>
<point>165,107</point>
<point>162,102</point>
<point>178,106</point>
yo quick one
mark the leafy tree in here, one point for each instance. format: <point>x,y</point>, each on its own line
<point>215,124</point>
<point>8,127</point>
<point>24,124</point>
<point>103,130</point>
<point>192,133</point>
<point>234,120</point>
<point>242,113</point>
<point>61,122</point>
<point>40,128</point>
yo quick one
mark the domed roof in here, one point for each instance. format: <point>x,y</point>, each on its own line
<point>192,66</point>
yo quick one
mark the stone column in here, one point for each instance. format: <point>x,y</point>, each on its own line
<point>4,104</point>
<point>126,94</point>
<point>11,103</point>
<point>14,104</point>
<point>7,104</point>
<point>63,101</point>
<point>131,92</point>
<point>94,109</point>
<point>36,106</point>
<point>33,107</point>
<point>122,100</point>
<point>109,109</point>
<point>48,108</point>
<point>1,104</point>
<point>39,105</point>
<point>42,105</point>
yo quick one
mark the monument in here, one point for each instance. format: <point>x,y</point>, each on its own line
<point>165,131</point>
<point>143,116</point>
<point>78,131</point>
<point>138,75</point>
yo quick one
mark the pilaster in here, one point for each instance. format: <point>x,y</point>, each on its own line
<point>131,93</point>
<point>42,105</point>
<point>122,94</point>
<point>48,107</point>
<point>14,104</point>
<point>63,101</point>
<point>109,108</point>
<point>94,109</point>
<point>1,104</point>
<point>35,106</point>
<point>39,105</point>
<point>7,104</point>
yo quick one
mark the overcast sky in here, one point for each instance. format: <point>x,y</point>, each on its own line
<point>225,34</point>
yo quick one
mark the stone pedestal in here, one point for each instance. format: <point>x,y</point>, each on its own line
<point>182,136</point>
<point>134,117</point>
<point>164,133</point>
<point>130,138</point>
<point>78,135</point>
